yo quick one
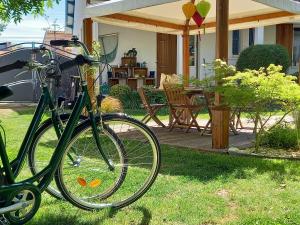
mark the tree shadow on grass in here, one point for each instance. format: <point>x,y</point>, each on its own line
<point>78,219</point>
<point>208,166</point>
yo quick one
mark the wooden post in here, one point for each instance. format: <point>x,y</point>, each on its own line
<point>285,36</point>
<point>88,40</point>
<point>186,52</point>
<point>186,57</point>
<point>221,114</point>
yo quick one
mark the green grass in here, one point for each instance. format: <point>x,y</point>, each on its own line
<point>193,188</point>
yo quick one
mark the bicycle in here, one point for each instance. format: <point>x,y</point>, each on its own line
<point>143,150</point>
<point>44,177</point>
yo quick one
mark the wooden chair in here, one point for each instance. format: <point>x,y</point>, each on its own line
<point>235,114</point>
<point>151,109</point>
<point>183,112</point>
<point>209,100</point>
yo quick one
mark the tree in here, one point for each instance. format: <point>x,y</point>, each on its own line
<point>261,91</point>
<point>14,10</point>
<point>2,27</point>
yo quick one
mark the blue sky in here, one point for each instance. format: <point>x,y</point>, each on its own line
<point>31,28</point>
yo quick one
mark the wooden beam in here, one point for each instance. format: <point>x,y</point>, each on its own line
<point>285,36</point>
<point>186,57</point>
<point>248,19</point>
<point>222,26</point>
<point>88,33</point>
<point>136,19</point>
<point>88,41</point>
<point>159,23</point>
<point>221,114</point>
<point>186,52</point>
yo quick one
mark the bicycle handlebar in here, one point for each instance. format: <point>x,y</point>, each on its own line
<point>79,60</point>
<point>62,43</point>
<point>16,65</point>
<point>74,42</point>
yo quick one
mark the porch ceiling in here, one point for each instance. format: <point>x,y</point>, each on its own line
<point>146,15</point>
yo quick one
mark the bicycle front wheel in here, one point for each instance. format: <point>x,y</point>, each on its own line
<point>46,140</point>
<point>142,165</point>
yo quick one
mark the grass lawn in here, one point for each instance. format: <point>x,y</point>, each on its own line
<point>193,188</point>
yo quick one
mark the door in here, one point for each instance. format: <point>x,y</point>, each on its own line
<point>166,54</point>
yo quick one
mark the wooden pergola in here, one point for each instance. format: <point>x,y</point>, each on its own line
<point>150,17</point>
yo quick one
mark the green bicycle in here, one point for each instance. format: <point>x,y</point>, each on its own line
<point>97,193</point>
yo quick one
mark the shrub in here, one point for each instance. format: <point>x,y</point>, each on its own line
<point>155,97</point>
<point>111,105</point>
<point>119,91</point>
<point>260,90</point>
<point>130,99</point>
<point>258,56</point>
<point>281,136</point>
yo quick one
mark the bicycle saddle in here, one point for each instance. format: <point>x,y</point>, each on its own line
<point>5,92</point>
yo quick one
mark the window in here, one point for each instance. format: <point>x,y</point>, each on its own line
<point>192,50</point>
<point>251,36</point>
<point>235,42</point>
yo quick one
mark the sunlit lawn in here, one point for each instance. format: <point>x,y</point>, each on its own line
<point>192,188</point>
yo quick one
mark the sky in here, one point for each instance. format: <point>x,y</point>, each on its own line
<point>31,28</point>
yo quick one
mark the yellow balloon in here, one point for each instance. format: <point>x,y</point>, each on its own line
<point>189,10</point>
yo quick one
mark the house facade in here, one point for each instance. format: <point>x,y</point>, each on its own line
<point>161,48</point>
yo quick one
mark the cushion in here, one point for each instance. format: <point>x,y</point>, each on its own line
<point>168,78</point>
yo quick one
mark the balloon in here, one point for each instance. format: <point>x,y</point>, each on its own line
<point>198,19</point>
<point>203,7</point>
<point>189,9</point>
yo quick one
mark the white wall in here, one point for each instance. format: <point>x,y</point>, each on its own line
<point>208,50</point>
<point>270,35</point>
<point>78,18</point>
<point>143,41</point>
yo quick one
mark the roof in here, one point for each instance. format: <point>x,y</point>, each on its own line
<point>251,13</point>
<point>56,35</point>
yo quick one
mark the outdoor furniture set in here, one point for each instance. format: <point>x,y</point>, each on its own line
<point>185,104</point>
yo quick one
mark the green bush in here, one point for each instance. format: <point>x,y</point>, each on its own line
<point>281,136</point>
<point>133,101</point>
<point>120,90</point>
<point>130,99</point>
<point>258,56</point>
<point>155,97</point>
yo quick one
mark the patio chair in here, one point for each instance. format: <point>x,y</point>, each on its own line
<point>151,109</point>
<point>235,117</point>
<point>183,111</point>
<point>209,99</point>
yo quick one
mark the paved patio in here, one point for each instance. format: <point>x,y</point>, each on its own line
<point>178,137</point>
<point>193,139</point>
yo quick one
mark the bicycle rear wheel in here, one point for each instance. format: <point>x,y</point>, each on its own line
<point>143,162</point>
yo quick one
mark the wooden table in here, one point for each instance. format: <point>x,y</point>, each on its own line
<point>190,92</point>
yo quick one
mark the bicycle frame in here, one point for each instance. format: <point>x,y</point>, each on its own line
<point>44,177</point>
